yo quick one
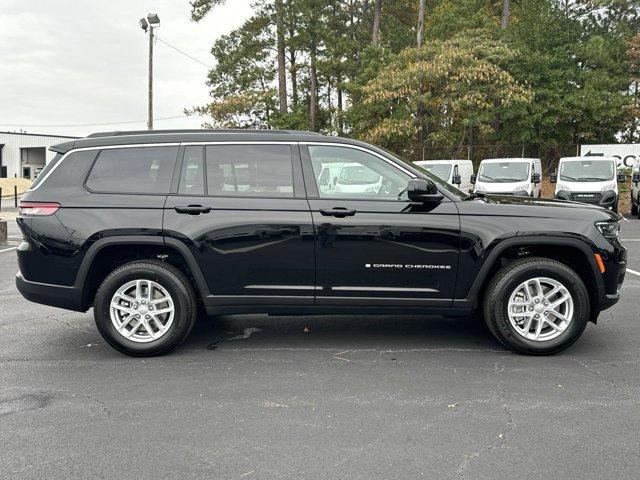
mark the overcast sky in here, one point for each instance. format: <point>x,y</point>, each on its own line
<point>70,62</point>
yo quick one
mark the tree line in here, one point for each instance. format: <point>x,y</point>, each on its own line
<point>415,74</point>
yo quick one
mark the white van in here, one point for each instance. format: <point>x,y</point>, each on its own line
<point>329,176</point>
<point>357,179</point>
<point>588,180</point>
<point>455,172</point>
<point>635,190</point>
<point>509,176</point>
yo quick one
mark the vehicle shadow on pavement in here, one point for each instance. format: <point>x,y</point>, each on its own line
<point>340,333</point>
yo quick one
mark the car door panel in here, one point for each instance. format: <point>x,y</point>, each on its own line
<point>387,251</point>
<point>252,251</point>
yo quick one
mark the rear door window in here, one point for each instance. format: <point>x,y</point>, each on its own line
<point>249,170</point>
<point>142,170</point>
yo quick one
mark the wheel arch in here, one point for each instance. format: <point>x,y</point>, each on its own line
<point>106,253</point>
<point>575,253</point>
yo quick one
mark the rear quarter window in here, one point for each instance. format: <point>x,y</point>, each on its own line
<point>45,171</point>
<point>142,170</point>
<point>71,171</point>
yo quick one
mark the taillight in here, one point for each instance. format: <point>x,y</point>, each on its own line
<point>38,209</point>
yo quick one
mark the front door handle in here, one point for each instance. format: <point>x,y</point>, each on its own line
<point>338,212</point>
<point>192,209</point>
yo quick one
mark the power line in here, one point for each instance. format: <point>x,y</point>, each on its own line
<point>85,124</point>
<point>184,53</point>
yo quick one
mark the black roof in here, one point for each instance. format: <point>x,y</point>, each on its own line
<point>177,136</point>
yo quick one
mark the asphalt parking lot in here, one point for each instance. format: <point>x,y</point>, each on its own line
<point>256,397</point>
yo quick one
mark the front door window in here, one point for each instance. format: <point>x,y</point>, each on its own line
<point>343,172</point>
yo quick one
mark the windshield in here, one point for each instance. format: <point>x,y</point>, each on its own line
<point>503,172</point>
<point>440,170</point>
<point>587,171</point>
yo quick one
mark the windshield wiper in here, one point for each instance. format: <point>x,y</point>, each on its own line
<point>567,177</point>
<point>594,179</point>
<point>486,177</point>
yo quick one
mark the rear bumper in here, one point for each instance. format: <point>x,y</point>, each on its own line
<point>59,296</point>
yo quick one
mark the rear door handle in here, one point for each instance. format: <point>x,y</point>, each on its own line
<point>192,209</point>
<point>338,212</point>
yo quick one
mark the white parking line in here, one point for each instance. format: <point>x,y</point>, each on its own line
<point>633,272</point>
<point>8,249</point>
<point>630,239</point>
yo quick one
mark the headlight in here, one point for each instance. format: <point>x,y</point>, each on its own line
<point>609,229</point>
<point>521,193</point>
<point>520,188</point>
<point>611,186</point>
<point>479,188</point>
<point>564,186</point>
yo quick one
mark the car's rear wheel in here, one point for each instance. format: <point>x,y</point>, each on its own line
<point>536,306</point>
<point>634,207</point>
<point>145,308</point>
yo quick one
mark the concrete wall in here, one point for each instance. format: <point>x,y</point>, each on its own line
<point>13,142</point>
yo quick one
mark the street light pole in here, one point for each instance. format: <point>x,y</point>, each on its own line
<point>150,112</point>
<point>150,23</point>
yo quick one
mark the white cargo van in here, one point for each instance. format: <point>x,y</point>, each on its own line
<point>455,172</point>
<point>509,176</point>
<point>635,189</point>
<point>357,179</point>
<point>588,180</point>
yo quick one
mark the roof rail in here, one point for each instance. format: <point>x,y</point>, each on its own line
<point>190,131</point>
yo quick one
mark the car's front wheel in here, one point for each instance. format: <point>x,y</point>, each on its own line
<point>536,306</point>
<point>634,206</point>
<point>145,308</point>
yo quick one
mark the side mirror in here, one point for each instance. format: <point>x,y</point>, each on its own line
<point>474,178</point>
<point>622,177</point>
<point>420,190</point>
<point>456,180</point>
<point>535,178</point>
<point>553,178</point>
<point>636,178</point>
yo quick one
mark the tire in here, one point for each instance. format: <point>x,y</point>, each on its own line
<point>170,290</point>
<point>509,280</point>
<point>634,207</point>
<point>638,206</point>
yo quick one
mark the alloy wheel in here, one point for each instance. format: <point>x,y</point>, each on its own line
<point>142,311</point>
<point>540,309</point>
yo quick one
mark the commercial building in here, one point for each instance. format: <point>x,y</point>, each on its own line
<point>25,154</point>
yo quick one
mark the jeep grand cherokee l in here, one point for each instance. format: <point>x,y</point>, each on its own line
<point>148,228</point>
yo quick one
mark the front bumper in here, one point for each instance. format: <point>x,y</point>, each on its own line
<point>615,262</point>
<point>608,199</point>
<point>59,296</point>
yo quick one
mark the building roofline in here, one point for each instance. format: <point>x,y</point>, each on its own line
<point>38,135</point>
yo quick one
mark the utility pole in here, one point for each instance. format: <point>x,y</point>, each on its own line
<point>149,24</point>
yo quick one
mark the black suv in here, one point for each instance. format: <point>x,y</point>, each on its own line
<point>151,228</point>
